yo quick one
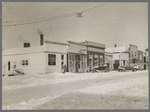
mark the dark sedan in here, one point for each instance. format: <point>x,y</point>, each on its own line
<point>102,68</point>
<point>124,68</point>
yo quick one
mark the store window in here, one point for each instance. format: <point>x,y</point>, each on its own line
<point>95,60</point>
<point>62,61</point>
<point>90,60</point>
<point>140,57</point>
<point>51,59</point>
<point>101,59</point>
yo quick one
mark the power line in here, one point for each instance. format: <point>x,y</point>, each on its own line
<point>64,16</point>
<point>36,19</point>
<point>45,19</point>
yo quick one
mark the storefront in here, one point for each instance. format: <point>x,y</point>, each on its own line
<point>82,57</point>
<point>77,62</point>
<point>94,59</point>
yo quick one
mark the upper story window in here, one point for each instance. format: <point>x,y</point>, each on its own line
<point>41,39</point>
<point>51,59</point>
<point>62,57</point>
<point>140,57</point>
<point>24,62</point>
<point>9,65</point>
<point>132,53</point>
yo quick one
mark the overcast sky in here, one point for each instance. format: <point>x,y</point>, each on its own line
<point>118,23</point>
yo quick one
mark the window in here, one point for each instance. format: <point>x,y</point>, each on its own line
<point>62,64</point>
<point>41,39</point>
<point>101,59</point>
<point>24,62</point>
<point>140,57</point>
<point>62,57</point>
<point>51,59</point>
<point>9,65</point>
<point>132,53</point>
<point>62,61</point>
<point>95,60</point>
<point>90,60</point>
<point>135,54</point>
<point>144,59</point>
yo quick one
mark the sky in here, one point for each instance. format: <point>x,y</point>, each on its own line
<point>120,23</point>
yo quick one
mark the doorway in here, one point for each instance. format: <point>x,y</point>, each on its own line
<point>77,62</point>
<point>144,67</point>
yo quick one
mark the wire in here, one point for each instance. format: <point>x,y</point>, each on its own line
<point>94,7</point>
<point>64,16</point>
<point>36,19</point>
<point>43,19</point>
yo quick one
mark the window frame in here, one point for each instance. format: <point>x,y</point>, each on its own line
<point>50,58</point>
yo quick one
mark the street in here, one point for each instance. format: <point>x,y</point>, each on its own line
<point>113,90</point>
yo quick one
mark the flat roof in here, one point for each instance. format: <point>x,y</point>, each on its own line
<point>55,42</point>
<point>89,44</point>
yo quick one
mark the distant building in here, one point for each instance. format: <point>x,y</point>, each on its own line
<point>140,60</point>
<point>123,56</point>
<point>109,60</point>
<point>146,59</point>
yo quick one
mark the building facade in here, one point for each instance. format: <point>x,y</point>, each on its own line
<point>47,58</point>
<point>140,60</point>
<point>146,60</point>
<point>51,56</point>
<point>109,60</point>
<point>120,56</point>
<point>83,56</point>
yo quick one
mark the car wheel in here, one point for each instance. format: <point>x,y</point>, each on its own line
<point>134,70</point>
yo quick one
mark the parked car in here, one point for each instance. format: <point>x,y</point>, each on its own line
<point>124,68</point>
<point>102,68</point>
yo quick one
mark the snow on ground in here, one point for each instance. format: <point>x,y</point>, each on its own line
<point>29,104</point>
<point>129,87</point>
<point>54,78</point>
<point>112,88</point>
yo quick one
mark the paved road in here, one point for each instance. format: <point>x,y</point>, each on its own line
<point>36,96</point>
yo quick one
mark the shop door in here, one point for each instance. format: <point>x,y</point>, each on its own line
<point>116,64</point>
<point>144,67</point>
<point>77,62</point>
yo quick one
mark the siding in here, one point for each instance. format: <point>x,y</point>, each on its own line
<point>36,63</point>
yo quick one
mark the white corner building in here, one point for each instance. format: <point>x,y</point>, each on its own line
<point>46,58</point>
